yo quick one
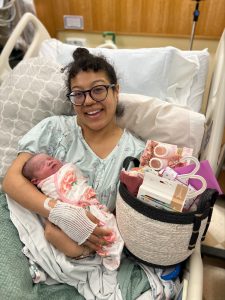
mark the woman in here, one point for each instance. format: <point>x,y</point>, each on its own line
<point>92,140</point>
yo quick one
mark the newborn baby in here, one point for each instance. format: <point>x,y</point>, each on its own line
<point>66,182</point>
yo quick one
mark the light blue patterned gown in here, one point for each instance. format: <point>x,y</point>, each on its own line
<point>61,137</point>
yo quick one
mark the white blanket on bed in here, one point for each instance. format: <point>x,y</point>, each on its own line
<point>88,275</point>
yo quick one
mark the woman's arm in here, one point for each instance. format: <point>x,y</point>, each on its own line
<point>63,243</point>
<point>28,196</point>
<point>22,190</point>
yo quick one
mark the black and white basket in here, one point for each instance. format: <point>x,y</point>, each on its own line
<point>158,237</point>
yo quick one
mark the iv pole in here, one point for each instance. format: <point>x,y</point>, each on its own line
<point>195,19</point>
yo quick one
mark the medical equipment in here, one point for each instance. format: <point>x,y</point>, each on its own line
<point>11,12</point>
<point>108,42</point>
<point>196,14</point>
<point>7,17</point>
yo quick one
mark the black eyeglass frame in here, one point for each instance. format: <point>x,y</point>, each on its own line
<point>106,86</point>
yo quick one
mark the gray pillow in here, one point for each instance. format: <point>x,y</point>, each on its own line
<point>34,90</point>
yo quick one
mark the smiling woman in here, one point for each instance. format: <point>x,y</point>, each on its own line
<point>97,115</point>
<point>93,90</point>
<point>92,139</point>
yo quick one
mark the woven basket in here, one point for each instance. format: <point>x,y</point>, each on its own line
<point>158,237</point>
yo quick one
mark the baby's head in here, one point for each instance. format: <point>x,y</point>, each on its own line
<point>40,166</point>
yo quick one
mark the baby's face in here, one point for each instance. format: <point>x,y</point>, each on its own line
<point>44,166</point>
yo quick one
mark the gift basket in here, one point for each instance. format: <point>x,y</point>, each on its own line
<point>165,204</point>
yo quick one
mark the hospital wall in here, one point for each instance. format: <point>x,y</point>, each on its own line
<point>136,17</point>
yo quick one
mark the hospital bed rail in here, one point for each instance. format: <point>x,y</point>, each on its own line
<point>40,35</point>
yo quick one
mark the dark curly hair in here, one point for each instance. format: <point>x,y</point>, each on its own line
<point>83,60</point>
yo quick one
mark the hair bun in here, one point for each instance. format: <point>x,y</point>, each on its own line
<point>80,52</point>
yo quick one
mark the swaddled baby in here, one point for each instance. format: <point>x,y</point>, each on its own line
<point>65,182</point>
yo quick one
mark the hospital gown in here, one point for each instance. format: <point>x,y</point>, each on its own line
<point>61,137</point>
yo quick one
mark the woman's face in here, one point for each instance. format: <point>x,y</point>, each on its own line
<point>94,115</point>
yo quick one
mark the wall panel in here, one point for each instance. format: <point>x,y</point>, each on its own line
<point>139,17</point>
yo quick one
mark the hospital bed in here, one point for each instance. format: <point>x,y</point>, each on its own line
<point>38,77</point>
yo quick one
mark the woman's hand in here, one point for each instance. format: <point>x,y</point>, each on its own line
<point>98,238</point>
<point>80,225</point>
<point>55,236</point>
<point>72,220</point>
<point>63,243</point>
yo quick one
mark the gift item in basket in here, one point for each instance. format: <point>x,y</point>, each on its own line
<point>162,193</point>
<point>165,189</point>
<point>205,171</point>
<point>132,179</point>
<point>159,237</point>
<point>159,155</point>
<point>181,202</point>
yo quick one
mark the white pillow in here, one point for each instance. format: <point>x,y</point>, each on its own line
<point>35,90</point>
<point>197,90</point>
<point>168,73</point>
<point>151,118</point>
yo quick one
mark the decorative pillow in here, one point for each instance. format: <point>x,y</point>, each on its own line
<point>32,91</point>
<point>35,90</point>
<point>167,73</point>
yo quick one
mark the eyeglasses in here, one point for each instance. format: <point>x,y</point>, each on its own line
<point>98,93</point>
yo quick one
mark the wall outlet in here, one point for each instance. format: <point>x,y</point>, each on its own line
<point>76,41</point>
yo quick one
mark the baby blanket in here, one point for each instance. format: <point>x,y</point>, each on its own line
<point>88,276</point>
<point>69,185</point>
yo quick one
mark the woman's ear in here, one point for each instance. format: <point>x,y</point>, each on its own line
<point>116,91</point>
<point>117,88</point>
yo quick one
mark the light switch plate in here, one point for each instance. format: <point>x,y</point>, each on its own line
<point>73,22</point>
